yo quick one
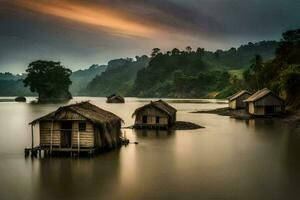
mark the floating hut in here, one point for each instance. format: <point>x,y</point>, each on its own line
<point>264,102</point>
<point>157,114</point>
<point>80,127</point>
<point>236,101</point>
<point>115,99</point>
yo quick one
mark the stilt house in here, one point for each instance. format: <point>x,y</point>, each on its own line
<point>157,114</point>
<point>79,126</point>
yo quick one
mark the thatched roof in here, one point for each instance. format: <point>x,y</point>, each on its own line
<point>238,94</point>
<point>161,105</point>
<point>260,94</point>
<point>114,98</point>
<point>84,109</point>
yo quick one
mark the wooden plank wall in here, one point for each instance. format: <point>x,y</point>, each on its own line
<point>106,137</point>
<point>269,100</point>
<point>151,114</point>
<point>45,133</point>
<point>86,137</point>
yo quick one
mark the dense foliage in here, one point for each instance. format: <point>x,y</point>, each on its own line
<point>196,74</point>
<point>14,88</point>
<point>49,79</point>
<point>81,78</point>
<point>118,77</point>
<point>176,73</point>
<point>281,74</point>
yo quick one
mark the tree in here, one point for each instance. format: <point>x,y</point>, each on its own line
<point>255,70</point>
<point>155,52</point>
<point>188,49</point>
<point>175,51</point>
<point>200,51</point>
<point>49,79</point>
<point>289,82</point>
<point>288,50</point>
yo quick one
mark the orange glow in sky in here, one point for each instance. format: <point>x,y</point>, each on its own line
<point>98,16</point>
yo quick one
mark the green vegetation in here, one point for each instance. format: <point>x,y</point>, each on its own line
<point>14,88</point>
<point>118,77</point>
<point>197,74</point>
<point>81,78</point>
<point>281,74</point>
<point>49,79</point>
<point>176,73</point>
<point>183,74</point>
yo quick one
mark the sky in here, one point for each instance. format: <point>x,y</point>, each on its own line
<point>80,33</point>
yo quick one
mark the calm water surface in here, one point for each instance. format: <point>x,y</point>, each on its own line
<point>229,159</point>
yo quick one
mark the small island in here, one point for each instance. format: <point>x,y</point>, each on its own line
<point>50,80</point>
<point>160,115</point>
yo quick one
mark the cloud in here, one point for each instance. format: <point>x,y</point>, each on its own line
<point>95,15</point>
<point>83,32</point>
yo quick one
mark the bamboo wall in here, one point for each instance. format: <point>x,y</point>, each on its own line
<point>86,137</point>
<point>95,136</point>
<point>45,133</point>
<point>151,114</point>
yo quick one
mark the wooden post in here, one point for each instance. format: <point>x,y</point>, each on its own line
<point>78,140</point>
<point>32,139</point>
<point>51,136</point>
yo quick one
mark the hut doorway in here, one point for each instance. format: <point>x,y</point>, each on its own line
<point>144,119</point>
<point>66,134</point>
<point>157,120</point>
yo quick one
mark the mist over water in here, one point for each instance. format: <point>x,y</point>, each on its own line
<point>229,159</point>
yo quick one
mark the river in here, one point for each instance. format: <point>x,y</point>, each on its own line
<point>228,159</point>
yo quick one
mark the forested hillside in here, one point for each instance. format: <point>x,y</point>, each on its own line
<point>281,74</point>
<point>184,74</point>
<point>118,77</point>
<point>12,85</point>
<point>81,78</point>
<point>197,74</point>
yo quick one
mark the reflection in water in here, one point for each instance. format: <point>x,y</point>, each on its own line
<point>229,159</point>
<point>153,133</point>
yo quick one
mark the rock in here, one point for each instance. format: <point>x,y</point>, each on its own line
<point>20,99</point>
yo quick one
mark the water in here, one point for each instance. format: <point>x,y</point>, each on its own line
<point>229,159</point>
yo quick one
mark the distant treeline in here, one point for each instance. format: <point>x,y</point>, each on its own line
<point>189,73</point>
<point>184,74</point>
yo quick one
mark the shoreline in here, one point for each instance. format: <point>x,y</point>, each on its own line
<point>291,117</point>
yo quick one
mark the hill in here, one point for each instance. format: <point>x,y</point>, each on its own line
<point>12,85</point>
<point>197,74</point>
<point>118,77</point>
<point>81,78</point>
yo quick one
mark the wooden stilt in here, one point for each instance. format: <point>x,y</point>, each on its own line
<point>32,139</point>
<point>78,141</point>
<point>51,136</point>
